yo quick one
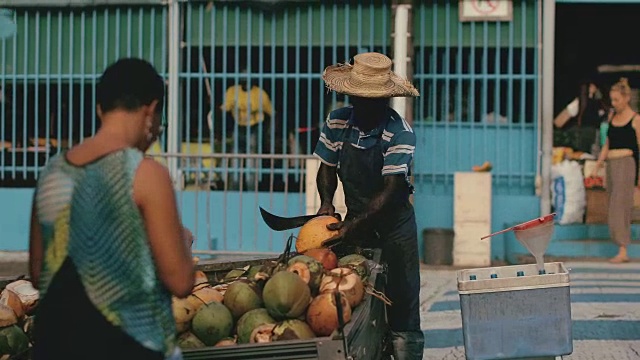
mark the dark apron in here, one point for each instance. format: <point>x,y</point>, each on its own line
<point>360,171</point>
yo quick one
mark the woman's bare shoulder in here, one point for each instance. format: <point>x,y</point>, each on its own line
<point>151,178</point>
<point>635,122</point>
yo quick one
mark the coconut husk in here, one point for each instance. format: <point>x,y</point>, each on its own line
<point>227,342</point>
<point>262,334</point>
<point>200,278</point>
<point>7,316</point>
<point>221,288</point>
<point>26,292</point>
<point>204,296</point>
<point>292,329</point>
<point>183,312</point>
<point>236,274</point>
<point>370,289</point>
<point>302,270</point>
<point>10,299</point>
<point>322,315</point>
<point>346,281</point>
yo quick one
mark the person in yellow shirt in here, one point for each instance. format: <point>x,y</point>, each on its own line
<point>249,108</point>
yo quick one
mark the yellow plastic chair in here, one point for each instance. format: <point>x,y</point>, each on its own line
<point>154,151</point>
<point>201,167</point>
<point>200,149</point>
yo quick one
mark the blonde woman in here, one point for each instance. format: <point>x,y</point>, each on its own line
<point>621,153</point>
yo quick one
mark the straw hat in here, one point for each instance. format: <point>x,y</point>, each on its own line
<point>370,76</point>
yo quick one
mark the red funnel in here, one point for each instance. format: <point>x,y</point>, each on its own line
<point>535,235</point>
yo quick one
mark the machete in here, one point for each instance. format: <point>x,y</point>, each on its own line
<point>280,223</point>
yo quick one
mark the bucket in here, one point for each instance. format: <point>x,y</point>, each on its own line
<point>438,246</point>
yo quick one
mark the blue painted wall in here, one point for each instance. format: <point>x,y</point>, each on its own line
<point>235,223</point>
<point>241,224</point>
<point>443,148</point>
<point>15,212</point>
<point>433,211</point>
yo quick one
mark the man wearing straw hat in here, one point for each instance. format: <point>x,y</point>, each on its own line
<point>370,147</point>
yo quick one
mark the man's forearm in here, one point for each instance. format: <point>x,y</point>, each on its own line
<point>327,182</point>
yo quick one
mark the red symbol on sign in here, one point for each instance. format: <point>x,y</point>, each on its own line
<point>485,7</point>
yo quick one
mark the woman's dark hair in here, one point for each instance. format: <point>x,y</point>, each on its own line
<point>129,84</point>
<point>583,99</point>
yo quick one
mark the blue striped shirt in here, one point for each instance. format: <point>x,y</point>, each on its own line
<point>398,140</point>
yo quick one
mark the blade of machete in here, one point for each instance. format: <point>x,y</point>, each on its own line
<point>279,223</point>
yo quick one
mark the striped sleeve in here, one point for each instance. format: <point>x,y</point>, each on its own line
<point>328,147</point>
<point>398,157</point>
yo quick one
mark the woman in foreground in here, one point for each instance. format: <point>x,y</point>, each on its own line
<point>107,249</point>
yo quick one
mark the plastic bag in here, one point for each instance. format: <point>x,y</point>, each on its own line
<point>568,192</point>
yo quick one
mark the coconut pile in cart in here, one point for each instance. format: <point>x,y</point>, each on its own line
<point>291,298</point>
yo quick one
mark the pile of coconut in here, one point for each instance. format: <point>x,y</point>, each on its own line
<point>276,301</point>
<point>17,304</point>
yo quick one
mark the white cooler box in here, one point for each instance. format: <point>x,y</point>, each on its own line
<point>513,316</point>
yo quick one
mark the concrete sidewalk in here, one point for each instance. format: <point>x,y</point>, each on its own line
<point>13,263</point>
<point>605,309</point>
<point>605,312</point>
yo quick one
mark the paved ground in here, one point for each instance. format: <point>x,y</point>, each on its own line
<point>13,263</point>
<point>605,309</point>
<point>605,312</point>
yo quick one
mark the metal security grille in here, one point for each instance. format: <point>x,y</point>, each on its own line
<point>49,69</point>
<point>278,52</point>
<point>479,87</point>
<point>48,72</point>
<point>478,84</point>
<point>229,221</point>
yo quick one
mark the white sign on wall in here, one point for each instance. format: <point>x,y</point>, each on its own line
<point>485,10</point>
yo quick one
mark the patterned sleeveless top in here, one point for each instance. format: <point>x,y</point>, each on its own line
<point>87,213</point>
